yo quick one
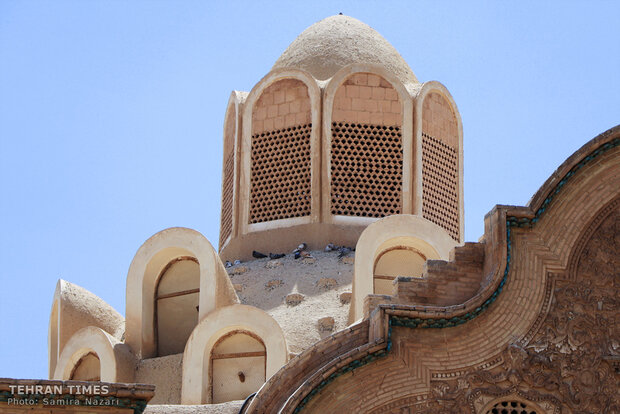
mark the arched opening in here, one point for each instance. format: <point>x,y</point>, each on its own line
<point>238,366</point>
<point>396,261</point>
<point>280,164</point>
<point>366,149</point>
<point>440,164</point>
<point>228,175</point>
<point>177,299</point>
<point>88,368</point>
<point>511,406</point>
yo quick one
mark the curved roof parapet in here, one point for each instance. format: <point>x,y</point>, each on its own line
<point>337,41</point>
<point>74,308</point>
<point>81,308</point>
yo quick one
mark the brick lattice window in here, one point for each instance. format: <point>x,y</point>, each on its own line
<point>511,407</point>
<point>280,174</point>
<point>366,170</point>
<point>227,198</point>
<point>440,184</point>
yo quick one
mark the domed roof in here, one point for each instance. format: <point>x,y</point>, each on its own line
<point>327,46</point>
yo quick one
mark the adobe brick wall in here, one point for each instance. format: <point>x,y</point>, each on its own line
<point>366,98</point>
<point>439,121</point>
<point>284,104</point>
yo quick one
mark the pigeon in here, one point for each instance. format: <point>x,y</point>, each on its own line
<point>237,262</point>
<point>343,251</point>
<point>301,247</point>
<point>297,255</point>
<point>258,255</point>
<point>274,256</point>
<point>331,247</point>
<point>228,264</point>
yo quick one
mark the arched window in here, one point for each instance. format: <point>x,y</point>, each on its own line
<point>280,170</point>
<point>512,407</point>
<point>394,262</point>
<point>177,297</point>
<point>237,366</point>
<point>88,368</point>
<point>366,174</point>
<point>440,164</point>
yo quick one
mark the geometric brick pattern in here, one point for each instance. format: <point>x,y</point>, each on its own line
<point>280,174</point>
<point>440,164</point>
<point>227,198</point>
<point>366,148</point>
<point>440,184</point>
<point>511,407</point>
<point>226,216</point>
<point>280,182</point>
<point>498,334</point>
<point>366,170</point>
<point>283,104</point>
<point>367,99</point>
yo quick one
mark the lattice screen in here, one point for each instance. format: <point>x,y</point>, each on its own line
<point>440,164</point>
<point>228,176</point>
<point>227,198</point>
<point>511,407</point>
<point>440,184</point>
<point>281,175</point>
<point>366,170</point>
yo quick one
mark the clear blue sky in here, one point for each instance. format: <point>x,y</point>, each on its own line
<point>111,120</point>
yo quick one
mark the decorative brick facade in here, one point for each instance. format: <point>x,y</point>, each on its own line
<point>440,164</point>
<point>538,334</point>
<point>280,166</point>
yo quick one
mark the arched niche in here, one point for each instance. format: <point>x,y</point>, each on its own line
<point>145,271</point>
<point>368,146</point>
<point>177,304</point>
<point>238,363</point>
<point>440,158</point>
<point>512,404</point>
<point>400,236</point>
<point>398,260</point>
<point>230,320</point>
<point>280,152</point>
<point>88,368</point>
<point>93,354</point>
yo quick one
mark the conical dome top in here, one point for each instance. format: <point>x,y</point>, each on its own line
<point>326,46</point>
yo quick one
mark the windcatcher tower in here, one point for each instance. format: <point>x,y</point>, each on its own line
<point>337,135</point>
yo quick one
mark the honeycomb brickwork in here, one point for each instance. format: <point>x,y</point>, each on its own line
<point>440,165</point>
<point>366,148</point>
<point>366,170</point>
<point>228,178</point>
<point>280,186</point>
<point>440,185</point>
<point>227,199</point>
<point>281,174</point>
<point>511,407</point>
